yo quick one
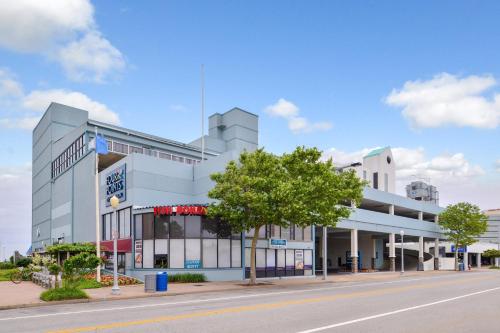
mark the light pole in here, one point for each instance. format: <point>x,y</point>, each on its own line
<point>402,233</point>
<point>114,201</point>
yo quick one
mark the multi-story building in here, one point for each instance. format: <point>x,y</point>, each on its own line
<point>421,191</point>
<point>162,185</point>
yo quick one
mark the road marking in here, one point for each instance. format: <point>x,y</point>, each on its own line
<point>350,322</point>
<point>255,307</point>
<point>218,299</point>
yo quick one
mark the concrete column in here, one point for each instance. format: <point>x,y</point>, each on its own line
<point>466,260</point>
<point>478,259</point>
<point>436,254</point>
<point>391,209</point>
<point>392,251</point>
<point>420,253</point>
<point>374,252</point>
<point>436,218</point>
<point>354,250</point>
<point>421,216</point>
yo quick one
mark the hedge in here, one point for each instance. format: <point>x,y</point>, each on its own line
<point>187,278</point>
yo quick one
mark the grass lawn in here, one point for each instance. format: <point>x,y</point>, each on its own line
<point>88,284</point>
<point>5,274</point>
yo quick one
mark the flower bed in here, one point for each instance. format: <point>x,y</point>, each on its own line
<point>107,280</point>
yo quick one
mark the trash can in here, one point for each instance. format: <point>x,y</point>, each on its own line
<point>161,281</point>
<point>461,266</point>
<point>150,283</point>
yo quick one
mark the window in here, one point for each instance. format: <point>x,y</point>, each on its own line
<point>124,223</point>
<point>67,157</point>
<point>386,181</point>
<point>298,234</point>
<point>193,249</point>
<point>176,253</point>
<point>120,148</point>
<point>210,253</point>
<point>208,227</point>
<point>375,180</point>
<point>308,234</point>
<point>136,150</point>
<point>138,227</point>
<point>364,174</point>
<point>224,253</point>
<point>176,226</point>
<point>235,253</point>
<point>148,226</point>
<point>161,260</point>
<point>193,226</point>
<point>165,156</point>
<point>161,226</point>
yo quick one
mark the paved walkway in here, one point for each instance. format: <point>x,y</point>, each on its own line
<point>27,293</point>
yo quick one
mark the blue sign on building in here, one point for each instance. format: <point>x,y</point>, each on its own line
<point>460,249</point>
<point>192,264</point>
<point>116,184</point>
<point>275,243</point>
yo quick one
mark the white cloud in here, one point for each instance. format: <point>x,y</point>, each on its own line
<point>448,100</point>
<point>15,211</point>
<point>25,123</point>
<point>64,31</point>
<point>30,106</point>
<point>92,57</point>
<point>455,177</point>
<point>39,100</point>
<point>289,111</point>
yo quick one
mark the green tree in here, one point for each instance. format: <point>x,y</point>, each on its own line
<point>462,223</point>
<point>76,266</point>
<point>491,253</point>
<point>297,188</point>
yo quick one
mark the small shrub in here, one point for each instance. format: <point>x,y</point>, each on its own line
<point>187,278</point>
<point>494,267</point>
<point>23,262</point>
<point>60,294</point>
<point>7,265</point>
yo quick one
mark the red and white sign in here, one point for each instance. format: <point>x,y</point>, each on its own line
<point>180,210</point>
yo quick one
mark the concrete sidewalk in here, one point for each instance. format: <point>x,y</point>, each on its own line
<point>27,294</point>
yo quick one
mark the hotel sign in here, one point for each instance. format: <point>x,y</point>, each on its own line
<point>116,184</point>
<point>275,243</point>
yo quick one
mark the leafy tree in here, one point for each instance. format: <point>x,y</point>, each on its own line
<point>76,266</point>
<point>491,253</point>
<point>462,223</point>
<point>296,188</point>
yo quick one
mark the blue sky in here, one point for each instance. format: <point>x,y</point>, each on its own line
<point>333,64</point>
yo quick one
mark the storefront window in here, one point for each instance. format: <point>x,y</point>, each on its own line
<point>161,226</point>
<point>193,252</point>
<point>224,252</point>
<point>148,226</point>
<point>210,253</point>
<point>176,253</point>
<point>176,226</point>
<point>161,261</point>
<point>208,227</point>
<point>138,226</point>
<point>193,227</point>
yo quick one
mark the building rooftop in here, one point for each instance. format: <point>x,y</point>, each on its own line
<point>376,152</point>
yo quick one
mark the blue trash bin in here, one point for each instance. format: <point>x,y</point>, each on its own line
<point>461,266</point>
<point>161,281</point>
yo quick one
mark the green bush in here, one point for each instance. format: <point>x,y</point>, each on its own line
<point>23,262</point>
<point>7,265</point>
<point>494,267</point>
<point>60,294</point>
<point>491,253</point>
<point>187,278</point>
<point>5,274</point>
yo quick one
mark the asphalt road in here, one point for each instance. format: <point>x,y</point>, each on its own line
<point>460,302</point>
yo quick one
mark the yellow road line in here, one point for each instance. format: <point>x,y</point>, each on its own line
<point>262,306</point>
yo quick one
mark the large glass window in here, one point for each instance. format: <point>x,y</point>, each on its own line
<point>148,226</point>
<point>176,226</point>
<point>224,252</point>
<point>208,227</point>
<point>176,253</point>
<point>235,253</point>
<point>193,251</point>
<point>138,226</point>
<point>210,253</point>
<point>161,226</point>
<point>193,226</point>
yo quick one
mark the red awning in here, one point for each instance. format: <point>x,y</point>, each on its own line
<point>123,245</point>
